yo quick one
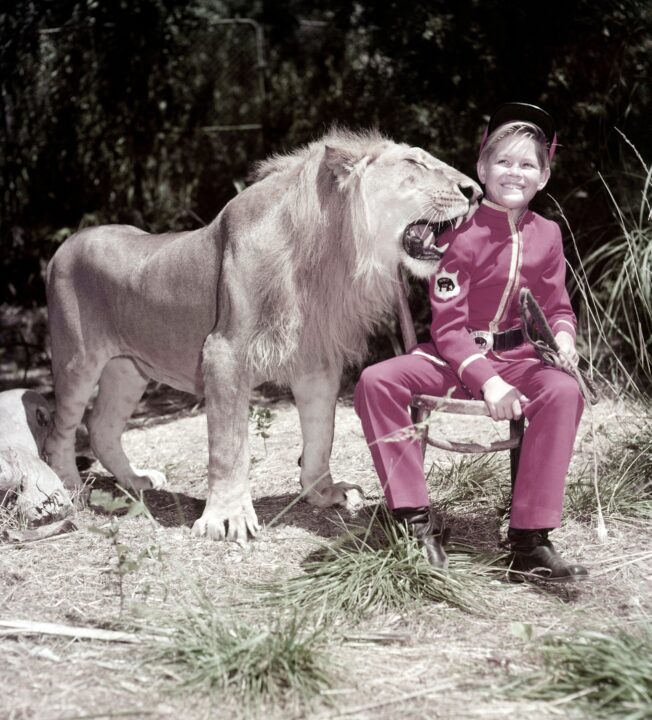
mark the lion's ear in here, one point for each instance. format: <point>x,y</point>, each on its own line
<point>339,161</point>
<point>42,417</point>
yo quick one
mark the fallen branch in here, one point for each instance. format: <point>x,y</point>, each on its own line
<point>28,627</point>
<point>40,533</point>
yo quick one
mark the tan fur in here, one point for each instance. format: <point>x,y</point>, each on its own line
<point>285,284</point>
<point>25,480</point>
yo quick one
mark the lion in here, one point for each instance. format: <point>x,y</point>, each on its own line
<point>26,482</point>
<point>284,285</point>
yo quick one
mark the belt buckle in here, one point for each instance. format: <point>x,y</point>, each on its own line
<point>483,339</point>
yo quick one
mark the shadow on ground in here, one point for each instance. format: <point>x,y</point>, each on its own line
<point>175,509</point>
<point>172,509</point>
<point>480,530</point>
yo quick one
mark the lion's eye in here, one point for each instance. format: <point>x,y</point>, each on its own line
<point>412,161</point>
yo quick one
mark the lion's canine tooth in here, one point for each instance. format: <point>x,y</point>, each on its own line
<point>458,222</point>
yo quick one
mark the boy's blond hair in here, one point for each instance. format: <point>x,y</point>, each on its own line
<point>522,129</point>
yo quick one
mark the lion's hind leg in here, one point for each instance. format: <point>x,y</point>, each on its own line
<point>74,382</point>
<point>122,384</point>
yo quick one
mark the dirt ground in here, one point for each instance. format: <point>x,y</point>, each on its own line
<point>432,661</point>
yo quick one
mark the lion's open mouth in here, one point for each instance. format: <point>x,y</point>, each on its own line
<point>420,238</point>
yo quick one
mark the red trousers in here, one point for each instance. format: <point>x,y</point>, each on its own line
<point>553,414</point>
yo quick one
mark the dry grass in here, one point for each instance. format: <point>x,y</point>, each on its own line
<point>425,659</point>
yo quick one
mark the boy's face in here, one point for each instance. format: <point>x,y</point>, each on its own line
<point>512,174</point>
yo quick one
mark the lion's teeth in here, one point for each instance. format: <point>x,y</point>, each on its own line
<point>458,222</point>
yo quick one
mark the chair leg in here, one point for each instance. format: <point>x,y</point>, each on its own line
<point>516,429</point>
<point>418,415</point>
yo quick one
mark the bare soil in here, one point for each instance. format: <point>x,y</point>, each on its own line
<point>432,661</point>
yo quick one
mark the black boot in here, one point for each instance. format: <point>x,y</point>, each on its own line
<point>421,525</point>
<point>532,554</point>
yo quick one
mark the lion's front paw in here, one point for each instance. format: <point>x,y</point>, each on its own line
<point>236,526</point>
<point>343,494</point>
<point>145,479</point>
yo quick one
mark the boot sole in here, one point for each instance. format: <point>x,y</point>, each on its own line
<point>519,576</point>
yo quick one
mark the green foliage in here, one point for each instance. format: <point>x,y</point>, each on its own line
<point>109,113</point>
<point>379,568</point>
<point>279,661</point>
<point>107,108</point>
<point>608,673</point>
<point>262,418</point>
<point>428,74</point>
<point>22,339</point>
<point>622,289</point>
<point>126,561</point>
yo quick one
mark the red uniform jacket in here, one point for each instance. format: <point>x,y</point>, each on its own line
<point>489,259</point>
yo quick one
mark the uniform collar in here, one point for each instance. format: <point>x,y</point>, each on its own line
<point>498,212</point>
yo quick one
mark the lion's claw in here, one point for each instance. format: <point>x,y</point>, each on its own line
<point>204,527</point>
<point>237,526</point>
<point>354,499</point>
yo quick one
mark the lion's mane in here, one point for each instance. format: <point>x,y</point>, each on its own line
<point>324,288</point>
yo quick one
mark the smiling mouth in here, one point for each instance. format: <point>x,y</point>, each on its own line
<point>420,238</point>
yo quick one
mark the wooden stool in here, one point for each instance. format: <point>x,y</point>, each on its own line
<point>422,405</point>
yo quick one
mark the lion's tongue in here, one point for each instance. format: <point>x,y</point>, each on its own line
<point>425,234</point>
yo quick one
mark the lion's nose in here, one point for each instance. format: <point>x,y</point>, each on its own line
<point>470,192</point>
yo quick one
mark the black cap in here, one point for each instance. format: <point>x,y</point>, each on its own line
<point>523,112</point>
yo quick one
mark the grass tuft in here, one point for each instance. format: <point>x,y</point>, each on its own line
<point>615,281</point>
<point>282,661</point>
<point>624,477</point>
<point>610,674</point>
<point>380,568</point>
<point>10,517</point>
<point>469,478</point>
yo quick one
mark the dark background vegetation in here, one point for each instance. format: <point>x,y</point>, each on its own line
<point>133,110</point>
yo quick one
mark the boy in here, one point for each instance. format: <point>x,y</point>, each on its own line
<point>478,350</point>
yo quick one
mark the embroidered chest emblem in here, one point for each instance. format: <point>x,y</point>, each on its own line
<point>446,285</point>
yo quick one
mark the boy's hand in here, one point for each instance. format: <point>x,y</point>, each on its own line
<point>503,400</point>
<point>567,353</point>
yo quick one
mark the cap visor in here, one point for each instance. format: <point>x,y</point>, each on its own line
<point>523,112</point>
